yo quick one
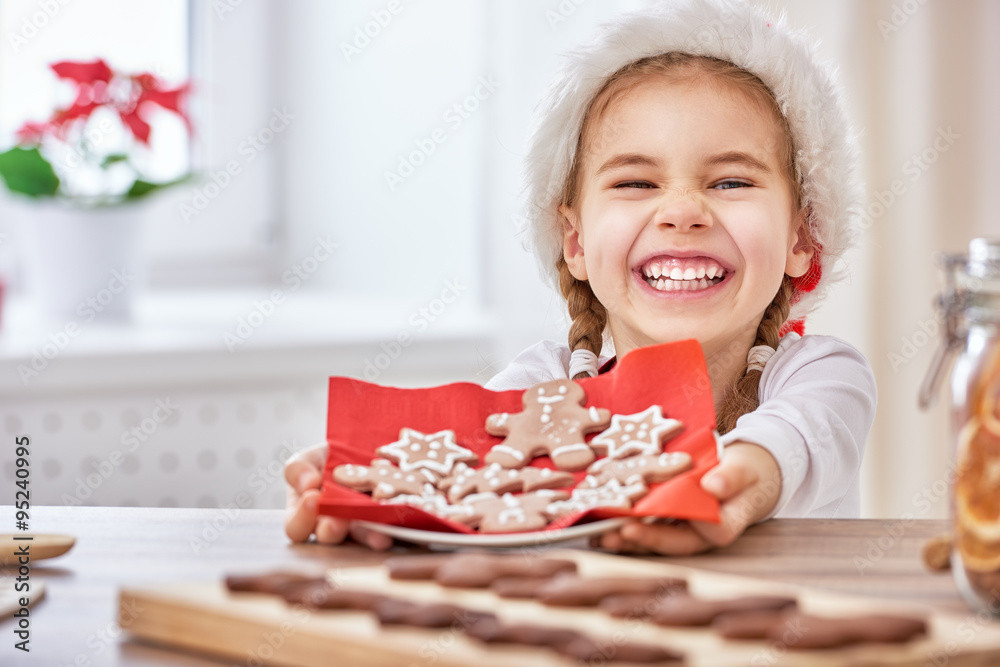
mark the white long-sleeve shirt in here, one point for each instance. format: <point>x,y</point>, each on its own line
<point>817,404</point>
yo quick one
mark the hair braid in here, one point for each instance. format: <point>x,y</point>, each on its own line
<point>742,397</point>
<point>588,314</point>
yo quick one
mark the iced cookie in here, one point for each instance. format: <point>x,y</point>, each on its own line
<point>384,480</point>
<point>494,477</point>
<point>553,422</point>
<point>512,514</point>
<point>642,469</point>
<point>610,494</point>
<point>640,433</point>
<point>436,452</point>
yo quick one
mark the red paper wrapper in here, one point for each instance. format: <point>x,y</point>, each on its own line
<point>363,417</point>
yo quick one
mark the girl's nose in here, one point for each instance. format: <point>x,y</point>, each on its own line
<point>683,211</point>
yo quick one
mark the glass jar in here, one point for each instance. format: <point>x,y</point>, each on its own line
<point>970,306</point>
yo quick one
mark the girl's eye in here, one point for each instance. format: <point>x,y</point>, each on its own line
<point>729,185</point>
<point>635,184</point>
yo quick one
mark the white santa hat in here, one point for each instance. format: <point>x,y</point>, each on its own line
<point>826,154</point>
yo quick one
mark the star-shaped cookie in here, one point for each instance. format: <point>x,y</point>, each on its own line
<point>640,433</point>
<point>436,452</point>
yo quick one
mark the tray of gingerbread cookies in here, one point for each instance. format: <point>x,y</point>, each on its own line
<point>547,608</point>
<point>459,464</point>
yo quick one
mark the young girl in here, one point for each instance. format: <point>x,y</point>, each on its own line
<point>692,175</point>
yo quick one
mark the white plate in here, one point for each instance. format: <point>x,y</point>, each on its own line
<point>535,538</point>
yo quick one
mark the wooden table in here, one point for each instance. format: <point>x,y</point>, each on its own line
<point>75,624</point>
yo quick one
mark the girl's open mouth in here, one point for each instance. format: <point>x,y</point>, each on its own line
<point>682,274</point>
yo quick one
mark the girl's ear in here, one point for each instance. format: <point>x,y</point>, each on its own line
<point>800,247</point>
<point>573,243</point>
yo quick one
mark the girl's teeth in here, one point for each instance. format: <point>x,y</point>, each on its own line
<point>701,272</point>
<point>656,270</point>
<point>677,273</point>
<point>710,273</point>
<point>690,273</point>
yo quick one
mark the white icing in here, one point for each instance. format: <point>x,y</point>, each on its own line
<point>559,451</point>
<point>507,449</point>
<point>545,400</point>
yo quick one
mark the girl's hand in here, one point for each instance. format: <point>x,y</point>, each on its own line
<point>303,472</point>
<point>747,481</point>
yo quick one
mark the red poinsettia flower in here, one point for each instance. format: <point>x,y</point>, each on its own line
<point>83,73</point>
<point>32,132</point>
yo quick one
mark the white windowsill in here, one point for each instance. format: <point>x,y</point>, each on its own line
<point>179,338</point>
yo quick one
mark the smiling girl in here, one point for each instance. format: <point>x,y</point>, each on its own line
<point>692,175</point>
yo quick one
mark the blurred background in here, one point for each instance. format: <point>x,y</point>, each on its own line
<point>354,212</point>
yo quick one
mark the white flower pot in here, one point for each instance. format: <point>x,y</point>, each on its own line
<point>81,264</point>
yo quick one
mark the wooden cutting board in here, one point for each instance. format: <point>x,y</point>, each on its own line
<point>255,629</point>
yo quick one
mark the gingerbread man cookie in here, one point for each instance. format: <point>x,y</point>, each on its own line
<point>436,452</point>
<point>513,514</point>
<point>640,433</point>
<point>385,480</point>
<point>553,422</point>
<point>642,469</point>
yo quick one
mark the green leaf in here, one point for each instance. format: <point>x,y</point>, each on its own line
<point>143,188</point>
<point>113,159</point>
<point>26,171</point>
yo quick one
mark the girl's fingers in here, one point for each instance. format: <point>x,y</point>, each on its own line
<point>330,530</point>
<point>302,475</point>
<point>303,470</point>
<point>729,478</point>
<point>669,539</point>
<point>300,517</point>
<point>371,539</point>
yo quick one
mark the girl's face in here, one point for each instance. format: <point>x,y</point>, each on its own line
<point>684,221</point>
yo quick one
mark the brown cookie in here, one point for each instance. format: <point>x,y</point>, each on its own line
<point>534,479</point>
<point>493,631</point>
<point>471,570</point>
<point>748,624</point>
<point>415,567</point>
<point>513,514</point>
<point>937,552</point>
<point>553,422</point>
<point>272,582</point>
<point>799,631</point>
<point>395,611</point>
<point>517,587</point>
<point>436,452</point>
<point>589,651</point>
<point>438,505</point>
<point>385,480</point>
<point>570,590</point>
<point>688,611</point>
<point>640,433</point>
<point>610,494</point>
<point>640,469</point>
<point>636,605</point>
<point>465,480</point>
<point>326,596</point>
